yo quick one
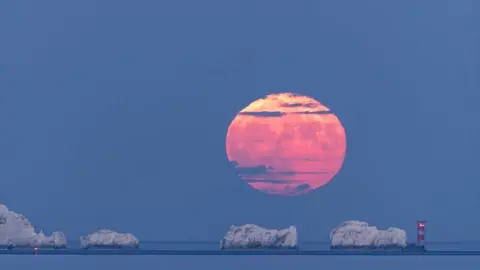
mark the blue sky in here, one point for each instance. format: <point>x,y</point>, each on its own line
<point>114,113</point>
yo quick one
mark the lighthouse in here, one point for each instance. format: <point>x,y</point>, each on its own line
<point>421,233</point>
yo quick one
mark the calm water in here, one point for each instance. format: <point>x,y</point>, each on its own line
<point>244,262</point>
<point>233,263</point>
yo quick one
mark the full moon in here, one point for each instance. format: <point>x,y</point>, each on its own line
<point>286,144</point>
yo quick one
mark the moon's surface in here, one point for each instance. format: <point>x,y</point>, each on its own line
<point>286,144</point>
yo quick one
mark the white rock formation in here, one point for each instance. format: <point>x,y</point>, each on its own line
<point>109,239</point>
<point>16,230</point>
<point>359,234</point>
<point>57,240</point>
<point>253,236</point>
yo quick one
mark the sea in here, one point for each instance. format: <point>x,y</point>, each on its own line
<point>145,262</point>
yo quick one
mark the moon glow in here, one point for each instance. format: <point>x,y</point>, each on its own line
<point>286,144</point>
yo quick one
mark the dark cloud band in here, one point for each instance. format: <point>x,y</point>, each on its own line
<point>280,114</point>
